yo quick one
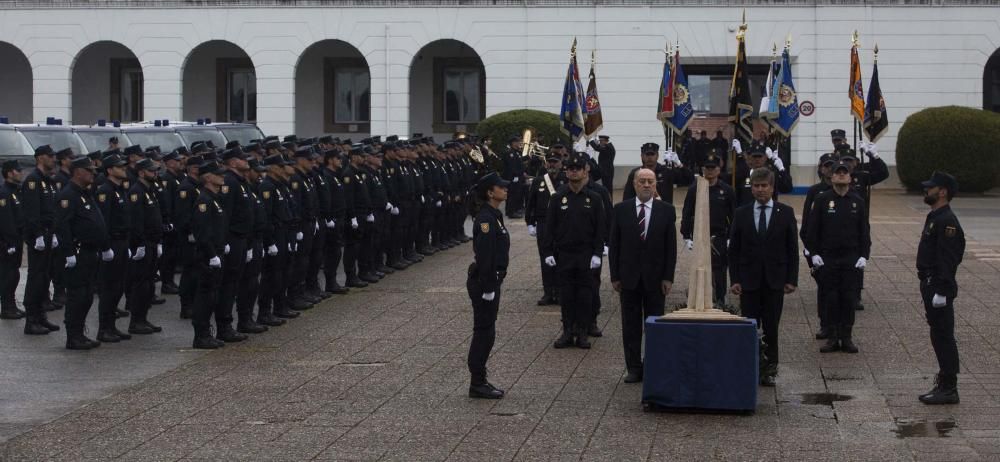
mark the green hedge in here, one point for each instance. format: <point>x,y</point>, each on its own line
<point>959,140</point>
<point>503,125</point>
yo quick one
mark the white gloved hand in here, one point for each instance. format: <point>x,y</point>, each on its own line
<point>315,227</point>
<point>862,261</point>
<point>437,204</point>
<point>249,255</point>
<point>595,262</point>
<point>370,218</point>
<point>11,251</point>
<point>532,231</point>
<point>298,237</point>
<point>872,151</point>
<point>40,243</point>
<point>71,261</point>
<point>388,206</point>
<point>489,296</point>
<point>771,154</point>
<point>394,211</point>
<point>805,252</point>
<point>129,253</point>
<point>551,261</point>
<point>108,255</point>
<point>168,227</point>
<point>55,241</point>
<point>605,251</point>
<point>191,238</point>
<point>817,261</point>
<point>290,247</point>
<point>159,250</point>
<point>939,301</point>
<point>515,179</point>
<point>689,244</point>
<point>422,201</point>
<point>354,223</point>
<point>864,146</point>
<point>226,249</point>
<point>737,146</point>
<point>139,254</point>
<point>272,250</point>
<point>330,224</point>
<point>215,262</point>
<point>779,164</point>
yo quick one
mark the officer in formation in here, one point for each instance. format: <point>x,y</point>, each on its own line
<point>541,189</point>
<point>514,172</point>
<point>11,248</point>
<point>722,206</point>
<point>760,156</point>
<point>669,173</point>
<point>605,160</point>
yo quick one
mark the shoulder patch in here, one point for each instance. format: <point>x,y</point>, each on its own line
<point>484,227</point>
<point>225,189</point>
<point>164,183</point>
<point>183,194</point>
<point>203,207</point>
<point>950,231</point>
<point>295,185</point>
<point>102,197</point>
<point>133,197</point>
<point>347,180</point>
<point>267,194</point>
<point>64,204</point>
<point>31,185</point>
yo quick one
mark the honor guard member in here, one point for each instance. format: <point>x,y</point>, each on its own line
<point>38,197</point>
<point>304,194</point>
<point>336,220</point>
<point>322,215</point>
<point>209,227</point>
<point>145,236</point>
<point>358,211</point>
<point>112,199</point>
<point>491,246</point>
<point>605,160</point>
<point>170,182</point>
<point>721,207</point>
<point>273,306</point>
<point>187,194</point>
<point>667,175</point>
<point>237,206</point>
<point>134,154</point>
<point>11,247</point>
<point>415,203</point>
<point>64,158</point>
<point>383,208</point>
<point>839,241</point>
<point>399,184</point>
<point>760,157</point>
<point>593,330</point>
<point>249,284</point>
<point>513,171</point>
<point>824,171</point>
<point>85,239</point>
<point>542,188</point>
<point>573,243</point>
<point>863,177</point>
<point>942,245</point>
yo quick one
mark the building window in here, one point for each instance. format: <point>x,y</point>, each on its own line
<point>352,96</point>
<point>991,83</point>
<point>459,94</point>
<point>126,90</point>
<point>241,95</point>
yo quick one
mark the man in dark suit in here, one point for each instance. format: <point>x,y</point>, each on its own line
<point>642,252</point>
<point>763,262</point>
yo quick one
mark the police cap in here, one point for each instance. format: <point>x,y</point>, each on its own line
<point>941,180</point>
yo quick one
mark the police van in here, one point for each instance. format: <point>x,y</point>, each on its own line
<point>18,141</point>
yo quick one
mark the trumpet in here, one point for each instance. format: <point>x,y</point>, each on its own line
<point>530,147</point>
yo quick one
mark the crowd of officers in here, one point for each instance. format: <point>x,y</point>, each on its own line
<point>285,212</point>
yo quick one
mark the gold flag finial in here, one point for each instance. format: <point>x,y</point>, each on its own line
<point>774,50</point>
<point>593,57</point>
<point>743,26</point>
<point>788,42</point>
<point>854,39</point>
<point>876,52</point>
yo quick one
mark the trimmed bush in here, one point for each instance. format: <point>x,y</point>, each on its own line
<point>964,142</point>
<point>503,125</point>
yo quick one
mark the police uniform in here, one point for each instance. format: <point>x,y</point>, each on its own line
<point>208,224</point>
<point>337,214</point>
<point>113,201</point>
<point>358,207</point>
<point>38,196</point>
<point>237,206</point>
<point>666,177</point>
<point>11,247</point>
<point>605,162</point>
<point>940,251</point>
<point>169,183</point>
<point>187,194</point>
<point>491,246</point>
<point>824,329</point>
<point>318,252</point>
<point>279,240</point>
<point>249,283</point>
<point>721,207</point>
<point>145,235</point>
<point>513,168</point>
<point>542,188</point>
<point>57,267</point>
<point>743,188</point>
<point>305,200</point>
<point>83,235</point>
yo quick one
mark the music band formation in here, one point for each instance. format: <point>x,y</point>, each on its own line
<point>252,229</point>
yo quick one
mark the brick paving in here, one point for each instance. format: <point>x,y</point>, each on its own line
<point>380,374</point>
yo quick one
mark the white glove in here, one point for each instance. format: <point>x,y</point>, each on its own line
<point>778,164</point>
<point>225,250</point>
<point>422,201</point>
<point>370,218</point>
<point>354,223</point>
<point>861,263</point>
<point>514,180</point>
<point>330,224</point>
<point>298,237</point>
<point>817,261</point>
<point>140,253</point>
<point>551,261</point>
<point>388,206</point>
<point>159,250</point>
<point>169,227</point>
<point>437,204</point>
<point>532,231</point>
<point>108,255</point>
<point>249,255</point>
<point>272,250</point>
<point>872,151</point>
<point>215,262</point>
<point>295,248</point>
<point>40,243</point>
<point>315,227</point>
<point>595,262</point>
<point>805,252</point>
<point>55,241</point>
<point>605,251</point>
<point>689,244</point>
<point>129,253</point>
<point>290,248</point>
<point>939,301</point>
<point>489,296</point>
<point>737,146</point>
<point>11,251</point>
<point>71,261</point>
<point>771,154</point>
<point>191,238</point>
<point>395,211</point>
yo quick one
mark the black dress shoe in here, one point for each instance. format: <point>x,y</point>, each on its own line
<point>286,313</point>
<point>399,265</point>
<point>370,278</point>
<point>300,304</point>
<point>153,326</point>
<point>767,380</point>
<point>356,283</point>
<point>830,346</point>
<point>121,313</point>
<point>121,335</point>
<point>48,325</point>
<point>633,377</point>
<point>546,300</point>
<point>564,341</point>
<point>484,391</point>
<point>847,346</point>
<point>51,306</point>
<point>385,270</point>
<point>251,328</point>
<point>337,289</point>
<point>168,288</point>
<point>945,391</point>
<point>823,333</point>
<point>595,331</point>
<point>106,336</point>
<point>427,251</point>
<point>207,342</point>
<point>229,335</point>
<point>186,312</point>
<point>379,274</point>
<point>80,342</point>
<point>860,306</point>
<point>140,328</point>
<point>269,320</point>
<point>12,313</point>
<point>34,328</point>
<point>582,342</point>
<point>158,300</point>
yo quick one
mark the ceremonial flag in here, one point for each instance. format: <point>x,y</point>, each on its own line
<point>595,121</point>
<point>740,106</point>
<point>856,92</point>
<point>683,112</point>
<point>876,120</point>
<point>573,110</point>
<point>665,105</point>
<point>768,101</point>
<point>786,100</point>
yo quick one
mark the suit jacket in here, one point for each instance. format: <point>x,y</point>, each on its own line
<point>768,261</point>
<point>633,259</point>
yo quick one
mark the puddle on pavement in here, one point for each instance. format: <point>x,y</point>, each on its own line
<point>919,428</point>
<point>824,399</point>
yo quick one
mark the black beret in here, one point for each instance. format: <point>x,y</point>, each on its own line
<point>827,158</point>
<point>198,147</point>
<point>194,161</point>
<point>44,150</point>
<point>305,152</point>
<point>490,180</point>
<point>712,161</point>
<point>256,166</point>
<point>838,133</point>
<point>841,165</point>
<point>10,166</point>
<point>233,153</point>
<point>273,144</point>
<point>275,159</point>
<point>172,155</point>
<point>575,160</point>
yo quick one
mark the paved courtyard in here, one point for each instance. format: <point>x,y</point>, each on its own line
<point>379,374</point>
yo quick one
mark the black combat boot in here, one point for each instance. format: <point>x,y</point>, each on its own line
<point>479,387</point>
<point>229,335</point>
<point>581,338</point>
<point>9,310</point>
<point>33,327</point>
<point>78,341</point>
<point>945,391</point>
<point>205,341</point>
<point>107,336</point>
<point>565,340</point>
<point>823,333</point>
<point>250,327</point>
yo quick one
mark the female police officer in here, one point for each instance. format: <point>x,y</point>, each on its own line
<point>491,245</point>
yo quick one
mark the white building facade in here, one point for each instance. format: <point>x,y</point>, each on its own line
<point>360,68</point>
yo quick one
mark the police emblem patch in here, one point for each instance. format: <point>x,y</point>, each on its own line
<point>102,197</point>
<point>950,231</point>
<point>830,205</point>
<point>295,185</point>
<point>31,185</point>
<point>347,180</point>
<point>64,204</point>
<point>184,194</point>
<point>134,197</point>
<point>484,227</point>
<point>202,208</point>
<point>565,200</point>
<point>225,189</point>
<point>267,194</point>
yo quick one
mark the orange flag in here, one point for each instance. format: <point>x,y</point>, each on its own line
<point>856,91</point>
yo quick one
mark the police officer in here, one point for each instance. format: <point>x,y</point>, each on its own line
<point>574,242</point>
<point>170,182</point>
<point>85,239</point>
<point>64,158</point>
<point>513,171</point>
<point>322,214</point>
<point>668,174</point>
<point>542,188</point>
<point>761,156</point>
<point>237,205</point>
<point>942,245</point>
<point>273,306</point>
<point>605,160</point>
<point>824,171</point>
<point>491,246</point>
<point>839,241</point>
<point>335,221</point>
<point>145,236</point>
<point>38,195</point>
<point>721,207</point>
<point>187,194</point>
<point>863,177</point>
<point>249,283</point>
<point>114,205</point>
<point>306,200</point>
<point>11,248</point>
<point>209,228</point>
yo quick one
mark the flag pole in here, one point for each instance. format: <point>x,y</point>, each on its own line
<point>740,35</point>
<point>856,45</point>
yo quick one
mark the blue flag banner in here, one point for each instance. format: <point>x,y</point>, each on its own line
<point>768,99</point>
<point>876,120</point>
<point>683,110</point>
<point>787,100</point>
<point>573,113</point>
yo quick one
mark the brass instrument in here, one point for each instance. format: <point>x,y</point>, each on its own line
<point>477,155</point>
<point>530,147</point>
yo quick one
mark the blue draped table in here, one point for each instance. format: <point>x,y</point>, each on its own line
<point>701,365</point>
